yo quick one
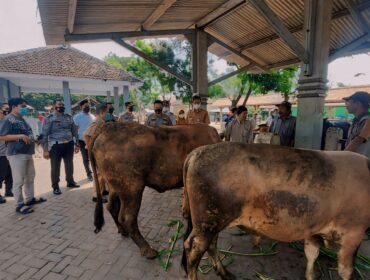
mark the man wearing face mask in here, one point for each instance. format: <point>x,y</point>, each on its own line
<point>166,110</point>
<point>111,117</point>
<point>83,120</point>
<point>5,170</point>
<point>240,129</point>
<point>197,115</point>
<point>20,147</point>
<point>129,115</point>
<point>181,120</point>
<point>158,117</point>
<point>60,141</point>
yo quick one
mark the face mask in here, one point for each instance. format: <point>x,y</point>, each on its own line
<point>86,109</point>
<point>181,116</point>
<point>107,117</point>
<point>60,109</point>
<point>111,110</point>
<point>23,111</point>
<point>6,112</point>
<point>196,106</point>
<point>158,111</point>
<point>166,109</point>
<point>131,108</point>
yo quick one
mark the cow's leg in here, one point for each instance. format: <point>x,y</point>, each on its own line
<point>113,206</point>
<point>220,269</point>
<point>195,246</point>
<point>311,250</point>
<point>130,206</point>
<point>349,243</point>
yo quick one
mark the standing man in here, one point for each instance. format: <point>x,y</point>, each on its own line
<point>83,120</point>
<point>166,110</point>
<point>284,125</point>
<point>129,115</point>
<point>112,117</point>
<point>5,170</point>
<point>197,115</point>
<point>20,147</point>
<point>359,133</point>
<point>158,118</point>
<point>60,141</point>
<point>240,129</point>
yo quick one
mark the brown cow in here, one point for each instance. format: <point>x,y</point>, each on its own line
<point>130,156</point>
<point>283,193</point>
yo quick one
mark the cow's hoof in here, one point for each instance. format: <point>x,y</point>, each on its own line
<point>228,276</point>
<point>149,253</point>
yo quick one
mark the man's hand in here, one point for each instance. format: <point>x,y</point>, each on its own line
<point>77,149</point>
<point>26,139</point>
<point>46,155</point>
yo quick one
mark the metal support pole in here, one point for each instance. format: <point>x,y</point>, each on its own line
<point>202,66</point>
<point>67,98</point>
<point>126,94</point>
<point>109,96</point>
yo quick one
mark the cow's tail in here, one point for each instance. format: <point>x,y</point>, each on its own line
<point>186,212</point>
<point>98,214</point>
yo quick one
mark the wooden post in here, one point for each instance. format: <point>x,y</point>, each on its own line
<point>312,83</point>
<point>126,94</point>
<point>109,97</point>
<point>116,100</point>
<point>202,66</point>
<point>67,98</point>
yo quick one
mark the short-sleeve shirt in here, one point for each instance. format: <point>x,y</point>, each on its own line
<point>127,117</point>
<point>13,125</point>
<point>172,117</point>
<point>83,121</point>
<point>285,128</point>
<point>154,120</point>
<point>198,116</point>
<point>238,131</point>
<point>361,127</point>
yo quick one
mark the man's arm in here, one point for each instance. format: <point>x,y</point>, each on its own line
<point>206,118</point>
<point>45,134</point>
<point>75,132</point>
<point>228,132</point>
<point>271,127</point>
<point>5,136</point>
<point>363,137</point>
<point>250,136</point>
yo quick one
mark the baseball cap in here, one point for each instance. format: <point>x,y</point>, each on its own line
<point>287,105</point>
<point>360,96</point>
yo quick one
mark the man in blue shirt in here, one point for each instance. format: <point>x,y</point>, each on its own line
<point>20,147</point>
<point>83,120</point>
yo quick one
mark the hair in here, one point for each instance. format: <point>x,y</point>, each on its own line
<point>2,105</point>
<point>127,103</point>
<point>83,102</point>
<point>101,108</point>
<point>158,102</point>
<point>109,103</point>
<point>196,97</point>
<point>241,109</point>
<point>14,102</point>
<point>57,100</point>
<point>233,110</point>
<point>181,112</point>
<point>166,102</point>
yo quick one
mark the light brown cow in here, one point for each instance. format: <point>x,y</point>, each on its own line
<point>283,193</point>
<point>130,156</point>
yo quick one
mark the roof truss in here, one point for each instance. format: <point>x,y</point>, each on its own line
<point>71,15</point>
<point>157,13</point>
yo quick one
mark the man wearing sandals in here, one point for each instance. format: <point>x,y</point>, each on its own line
<point>20,148</point>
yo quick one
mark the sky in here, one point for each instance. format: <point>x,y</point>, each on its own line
<point>20,29</point>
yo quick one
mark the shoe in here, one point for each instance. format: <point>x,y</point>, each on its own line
<point>72,185</point>
<point>2,200</point>
<point>57,191</point>
<point>90,178</point>
<point>9,194</point>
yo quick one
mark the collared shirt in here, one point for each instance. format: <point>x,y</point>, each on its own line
<point>181,121</point>
<point>361,127</point>
<point>155,119</point>
<point>285,128</point>
<point>83,121</point>
<point>13,125</point>
<point>58,128</point>
<point>172,117</point>
<point>127,117</point>
<point>197,116</point>
<point>239,131</point>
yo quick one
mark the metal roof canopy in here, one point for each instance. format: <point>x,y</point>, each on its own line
<point>257,35</point>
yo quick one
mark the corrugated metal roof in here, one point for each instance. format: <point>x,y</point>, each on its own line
<point>243,28</point>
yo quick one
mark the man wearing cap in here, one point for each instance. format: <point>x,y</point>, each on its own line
<point>166,110</point>
<point>128,116</point>
<point>359,133</point>
<point>240,129</point>
<point>284,125</point>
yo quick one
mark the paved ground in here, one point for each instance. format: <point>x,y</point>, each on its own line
<point>57,241</point>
